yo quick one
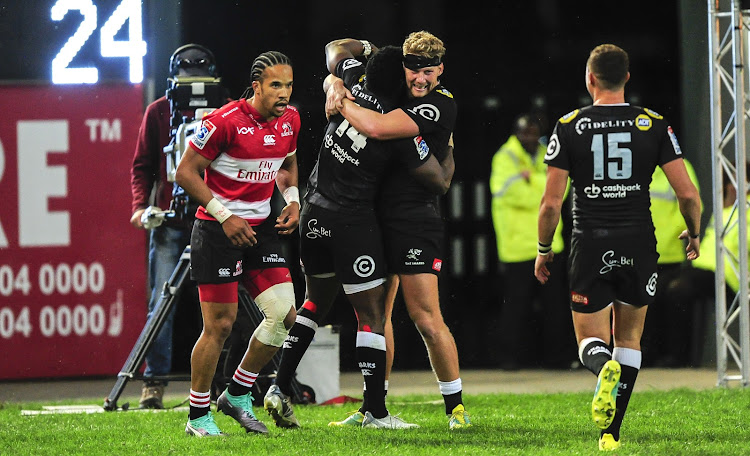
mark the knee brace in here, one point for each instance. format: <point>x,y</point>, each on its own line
<point>275,303</point>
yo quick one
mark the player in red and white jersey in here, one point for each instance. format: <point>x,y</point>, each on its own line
<point>246,152</point>
<point>242,149</point>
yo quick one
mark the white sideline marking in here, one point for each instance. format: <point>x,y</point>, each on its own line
<point>69,409</point>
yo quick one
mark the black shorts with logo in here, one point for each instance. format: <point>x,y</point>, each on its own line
<point>414,246</point>
<point>214,259</point>
<point>348,245</point>
<point>614,266</point>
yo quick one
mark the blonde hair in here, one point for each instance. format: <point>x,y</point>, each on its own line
<point>424,44</point>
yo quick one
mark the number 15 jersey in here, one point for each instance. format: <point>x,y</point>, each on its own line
<point>611,152</point>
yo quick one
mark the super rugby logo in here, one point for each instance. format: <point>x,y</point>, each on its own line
<point>673,138</point>
<point>201,137</point>
<point>364,266</point>
<point>553,148</point>
<point>426,110</point>
<point>422,148</point>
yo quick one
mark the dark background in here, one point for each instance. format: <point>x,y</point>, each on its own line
<point>503,58</point>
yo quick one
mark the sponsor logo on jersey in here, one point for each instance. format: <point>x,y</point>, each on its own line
<point>286,129</point>
<point>316,231</point>
<point>338,152</point>
<point>612,261</point>
<point>673,138</point>
<point>256,176</point>
<point>364,266</point>
<point>426,110</point>
<point>274,258</point>
<point>579,298</point>
<point>437,264</point>
<point>238,269</point>
<point>269,140</point>
<point>229,112</point>
<point>653,114</point>
<point>444,91</point>
<point>643,122</point>
<point>585,123</point>
<point>610,191</point>
<point>651,285</point>
<point>569,116</point>
<point>592,191</point>
<point>204,133</point>
<point>422,148</point>
<point>553,148</point>
<point>224,272</point>
<point>245,130</point>
<point>350,63</point>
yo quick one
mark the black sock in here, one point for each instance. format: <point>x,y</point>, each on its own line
<point>594,354</point>
<point>371,360</point>
<point>627,382</point>
<point>452,401</point>
<point>363,408</point>
<point>296,344</point>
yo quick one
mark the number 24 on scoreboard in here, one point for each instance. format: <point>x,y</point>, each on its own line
<point>134,48</point>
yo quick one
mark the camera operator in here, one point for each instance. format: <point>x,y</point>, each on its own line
<point>168,239</point>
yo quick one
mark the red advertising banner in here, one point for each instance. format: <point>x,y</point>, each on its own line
<point>72,269</point>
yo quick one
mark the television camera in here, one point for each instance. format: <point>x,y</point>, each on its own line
<point>190,99</point>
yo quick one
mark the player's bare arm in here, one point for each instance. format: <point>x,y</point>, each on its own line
<point>690,204</point>
<point>346,48</point>
<point>436,176</point>
<point>549,216</point>
<point>393,125</point>
<point>286,181</point>
<point>336,92</point>
<point>188,176</point>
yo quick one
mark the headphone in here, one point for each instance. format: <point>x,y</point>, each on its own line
<point>174,62</point>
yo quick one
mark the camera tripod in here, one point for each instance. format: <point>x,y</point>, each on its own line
<point>170,295</point>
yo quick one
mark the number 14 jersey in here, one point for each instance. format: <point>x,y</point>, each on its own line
<point>611,152</point>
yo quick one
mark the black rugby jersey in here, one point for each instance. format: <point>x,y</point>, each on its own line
<point>350,166</point>
<point>402,197</point>
<point>611,152</point>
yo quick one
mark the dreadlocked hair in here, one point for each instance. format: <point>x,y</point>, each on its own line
<point>265,60</point>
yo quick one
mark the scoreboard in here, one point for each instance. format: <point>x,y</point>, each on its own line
<point>72,41</point>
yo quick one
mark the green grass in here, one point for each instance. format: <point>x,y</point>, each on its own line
<point>678,422</point>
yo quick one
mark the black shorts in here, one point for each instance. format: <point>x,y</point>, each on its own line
<point>214,259</point>
<point>414,247</point>
<point>349,246</point>
<point>619,268</point>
